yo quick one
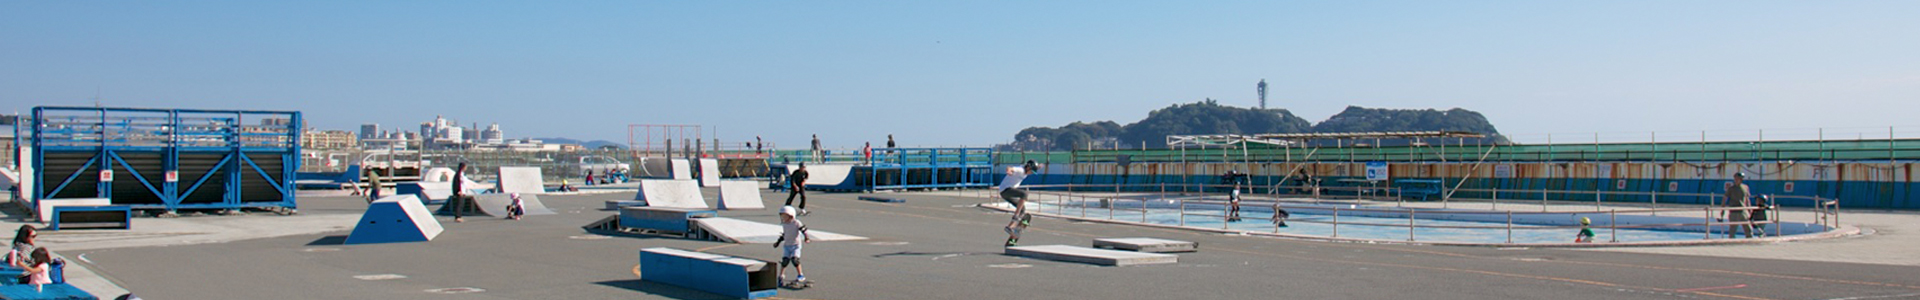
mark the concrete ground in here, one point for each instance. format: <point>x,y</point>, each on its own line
<point>936,245</point>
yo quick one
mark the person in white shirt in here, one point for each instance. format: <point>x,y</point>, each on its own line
<point>1011,192</point>
<point>793,234</point>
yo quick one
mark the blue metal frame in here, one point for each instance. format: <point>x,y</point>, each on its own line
<point>107,133</point>
<point>966,163</point>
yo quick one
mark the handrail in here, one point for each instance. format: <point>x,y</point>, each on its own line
<point>1068,196</point>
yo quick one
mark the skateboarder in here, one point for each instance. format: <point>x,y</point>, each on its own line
<point>1586,234</point>
<point>797,186</point>
<point>793,234</point>
<point>1233,196</point>
<point>1011,192</point>
<point>516,208</point>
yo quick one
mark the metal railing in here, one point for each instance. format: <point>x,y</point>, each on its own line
<point>1077,200</point>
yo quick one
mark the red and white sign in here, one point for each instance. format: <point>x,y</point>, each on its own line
<point>173,176</point>
<point>1788,187</point>
<point>106,175</point>
<point>1673,186</point>
<point>1620,184</point>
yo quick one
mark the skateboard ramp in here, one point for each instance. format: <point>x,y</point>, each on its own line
<point>1142,244</point>
<point>496,204</point>
<point>395,219</point>
<point>681,168</point>
<point>709,172</point>
<point>1092,256</point>
<point>681,193</point>
<point>750,232</point>
<point>740,195</point>
<point>523,180</point>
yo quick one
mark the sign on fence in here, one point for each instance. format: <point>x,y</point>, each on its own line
<point>1377,171</point>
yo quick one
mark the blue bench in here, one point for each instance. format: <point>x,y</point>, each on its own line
<point>720,274</point>
<point>104,216</point>
<point>57,291</point>
<point>1423,189</point>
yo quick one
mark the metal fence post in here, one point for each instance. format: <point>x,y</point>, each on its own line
<point>1509,227</point>
<point>1409,225</point>
<point>1336,221</point>
<point>1614,226</point>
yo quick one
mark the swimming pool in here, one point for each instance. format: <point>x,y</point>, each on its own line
<point>1388,223</point>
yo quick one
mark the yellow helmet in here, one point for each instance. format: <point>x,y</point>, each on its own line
<point>1585,221</point>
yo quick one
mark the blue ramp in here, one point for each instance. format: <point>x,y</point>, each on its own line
<point>395,219</point>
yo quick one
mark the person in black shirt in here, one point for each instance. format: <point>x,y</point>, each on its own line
<point>458,200</point>
<point>889,141</point>
<point>798,187</point>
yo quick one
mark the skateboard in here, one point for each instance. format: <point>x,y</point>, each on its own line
<point>1013,234</point>
<point>799,284</point>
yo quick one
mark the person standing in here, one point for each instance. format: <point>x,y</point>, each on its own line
<point>757,144</point>
<point>890,141</point>
<point>797,186</point>
<point>458,201</point>
<point>1232,179</point>
<point>373,186</point>
<point>817,155</point>
<point>1737,200</point>
<point>867,151</point>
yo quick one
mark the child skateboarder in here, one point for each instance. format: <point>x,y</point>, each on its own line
<point>1011,192</point>
<point>1586,234</point>
<point>1233,196</point>
<point>516,208</point>
<point>793,234</point>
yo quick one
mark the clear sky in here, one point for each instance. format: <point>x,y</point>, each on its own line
<point>970,72</point>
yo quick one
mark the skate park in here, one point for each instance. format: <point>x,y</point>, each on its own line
<point>960,150</point>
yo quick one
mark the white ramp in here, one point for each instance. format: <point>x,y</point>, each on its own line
<point>681,193</point>
<point>681,169</point>
<point>740,195</point>
<point>496,204</point>
<point>523,180</point>
<point>395,219</point>
<point>1092,256</point>
<point>709,172</point>
<point>750,232</point>
<point>1142,244</point>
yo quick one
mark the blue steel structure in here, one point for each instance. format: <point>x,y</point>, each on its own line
<point>927,168</point>
<point>167,159</point>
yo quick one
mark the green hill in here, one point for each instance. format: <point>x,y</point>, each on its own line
<point>1209,117</point>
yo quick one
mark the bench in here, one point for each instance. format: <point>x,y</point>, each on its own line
<point>57,291</point>
<point>719,274</point>
<point>99,216</point>
<point>43,208</point>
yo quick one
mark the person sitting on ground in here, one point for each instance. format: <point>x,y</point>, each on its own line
<point>1586,234</point>
<point>516,208</point>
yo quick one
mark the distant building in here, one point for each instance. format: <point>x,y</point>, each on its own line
<point>329,139</point>
<point>370,131</point>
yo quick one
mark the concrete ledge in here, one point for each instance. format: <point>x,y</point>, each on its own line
<point>1149,245</point>
<point>1091,256</point>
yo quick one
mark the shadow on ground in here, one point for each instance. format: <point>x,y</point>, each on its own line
<point>663,290</point>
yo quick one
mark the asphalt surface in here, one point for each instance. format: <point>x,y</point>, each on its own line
<point>939,247</point>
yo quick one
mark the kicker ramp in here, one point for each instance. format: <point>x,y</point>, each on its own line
<point>740,195</point>
<point>1141,244</point>
<point>742,231</point>
<point>523,180</point>
<point>395,219</point>
<point>1091,256</point>
<point>709,172</point>
<point>496,204</point>
<point>681,193</point>
<point>681,169</point>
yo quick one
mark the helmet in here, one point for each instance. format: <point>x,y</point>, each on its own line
<point>789,211</point>
<point>1585,221</point>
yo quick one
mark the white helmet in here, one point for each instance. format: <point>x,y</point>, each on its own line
<point>789,211</point>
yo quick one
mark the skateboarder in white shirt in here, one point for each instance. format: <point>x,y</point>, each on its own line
<point>793,234</point>
<point>1011,192</point>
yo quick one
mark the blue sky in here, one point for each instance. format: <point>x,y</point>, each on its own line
<point>971,72</point>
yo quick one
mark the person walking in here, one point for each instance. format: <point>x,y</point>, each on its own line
<point>797,186</point>
<point>373,186</point>
<point>1737,202</point>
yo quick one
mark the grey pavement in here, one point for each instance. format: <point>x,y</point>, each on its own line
<point>938,246</point>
